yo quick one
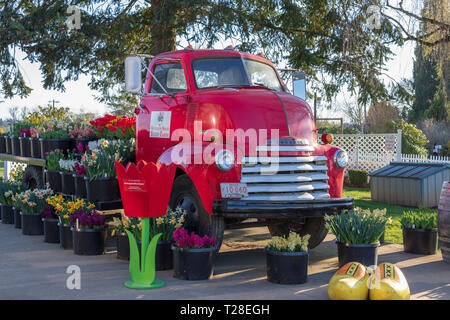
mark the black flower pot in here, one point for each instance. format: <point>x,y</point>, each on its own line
<point>67,183</point>
<point>17,218</point>
<point>25,148</point>
<point>7,214</point>
<point>80,186</point>
<point>164,256</point>
<point>8,145</point>
<point>48,145</point>
<point>366,254</point>
<point>32,224</point>
<point>54,179</point>
<point>102,189</point>
<point>15,146</point>
<point>51,230</point>
<point>420,241</point>
<point>35,148</point>
<point>65,236</point>
<point>123,246</point>
<point>287,267</point>
<point>88,242</point>
<point>2,144</point>
<point>193,264</point>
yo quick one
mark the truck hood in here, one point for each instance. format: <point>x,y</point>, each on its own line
<point>252,110</point>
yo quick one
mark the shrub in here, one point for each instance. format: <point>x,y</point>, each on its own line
<point>358,177</point>
<point>413,139</point>
<point>419,220</point>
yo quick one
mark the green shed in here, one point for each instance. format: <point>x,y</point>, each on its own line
<point>410,184</point>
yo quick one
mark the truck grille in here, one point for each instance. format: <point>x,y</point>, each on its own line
<point>285,178</point>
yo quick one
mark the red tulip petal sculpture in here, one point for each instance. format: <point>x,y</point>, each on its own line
<point>145,189</point>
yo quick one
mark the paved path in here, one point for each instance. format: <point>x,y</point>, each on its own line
<point>32,269</point>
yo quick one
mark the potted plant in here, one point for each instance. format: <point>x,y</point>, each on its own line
<point>82,134</point>
<point>32,204</point>
<point>24,141</point>
<point>357,233</point>
<point>287,259</point>
<point>119,226</point>
<point>101,177</point>
<point>67,169</point>
<point>78,177</point>
<point>8,189</point>
<point>420,232</point>
<point>50,223</point>
<point>3,142</point>
<point>35,145</point>
<point>88,232</point>
<point>52,169</point>
<point>55,136</point>
<point>193,256</point>
<point>14,137</point>
<point>115,127</point>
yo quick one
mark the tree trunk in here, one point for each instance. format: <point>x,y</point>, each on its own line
<point>162,27</point>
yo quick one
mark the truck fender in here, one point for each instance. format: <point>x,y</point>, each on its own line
<point>336,176</point>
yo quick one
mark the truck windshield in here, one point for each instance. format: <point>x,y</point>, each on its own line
<point>219,72</point>
<point>263,74</point>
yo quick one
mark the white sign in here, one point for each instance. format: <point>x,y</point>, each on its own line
<point>233,190</point>
<point>160,124</point>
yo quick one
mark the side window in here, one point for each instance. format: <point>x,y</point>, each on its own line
<point>169,75</point>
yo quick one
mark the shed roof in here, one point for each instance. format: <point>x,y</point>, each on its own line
<point>410,170</point>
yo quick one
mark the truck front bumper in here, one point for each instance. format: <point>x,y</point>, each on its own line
<point>280,209</point>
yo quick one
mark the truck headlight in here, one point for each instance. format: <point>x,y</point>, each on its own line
<point>340,159</point>
<point>224,160</point>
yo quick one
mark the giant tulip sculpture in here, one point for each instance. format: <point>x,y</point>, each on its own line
<point>145,189</point>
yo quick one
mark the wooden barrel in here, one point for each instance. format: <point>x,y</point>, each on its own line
<point>444,221</point>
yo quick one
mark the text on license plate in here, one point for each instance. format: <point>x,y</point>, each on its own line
<point>233,190</point>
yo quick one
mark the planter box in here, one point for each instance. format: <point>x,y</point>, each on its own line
<point>420,241</point>
<point>65,236</point>
<point>15,146</point>
<point>88,242</point>
<point>80,186</point>
<point>32,224</point>
<point>193,264</point>
<point>7,214</point>
<point>25,148</point>
<point>2,144</point>
<point>54,179</point>
<point>17,218</point>
<point>51,230</point>
<point>67,183</point>
<point>102,190</point>
<point>366,254</point>
<point>35,148</point>
<point>287,267</point>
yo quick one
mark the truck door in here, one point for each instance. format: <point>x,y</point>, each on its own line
<point>166,109</point>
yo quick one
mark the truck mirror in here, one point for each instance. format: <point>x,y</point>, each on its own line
<point>133,75</point>
<point>299,84</point>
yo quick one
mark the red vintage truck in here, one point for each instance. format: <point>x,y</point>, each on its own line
<point>245,148</point>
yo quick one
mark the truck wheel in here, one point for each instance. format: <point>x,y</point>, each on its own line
<point>198,220</point>
<point>32,177</point>
<point>313,226</point>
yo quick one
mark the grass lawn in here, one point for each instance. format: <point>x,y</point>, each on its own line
<point>362,199</point>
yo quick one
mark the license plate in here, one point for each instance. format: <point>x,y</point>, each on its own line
<point>233,190</point>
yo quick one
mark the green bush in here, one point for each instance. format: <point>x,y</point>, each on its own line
<point>358,177</point>
<point>419,220</point>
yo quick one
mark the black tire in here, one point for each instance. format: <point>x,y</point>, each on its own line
<point>33,177</point>
<point>198,219</point>
<point>316,227</point>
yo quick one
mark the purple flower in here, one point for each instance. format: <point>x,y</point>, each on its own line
<point>48,213</point>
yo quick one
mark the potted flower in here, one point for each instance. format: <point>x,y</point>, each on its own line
<point>88,232</point>
<point>55,136</point>
<point>67,169</point>
<point>24,141</point>
<point>32,204</point>
<point>15,135</point>
<point>193,256</point>
<point>50,223</point>
<point>8,189</point>
<point>35,145</point>
<point>82,134</point>
<point>78,177</point>
<point>357,233</point>
<point>119,226</point>
<point>420,232</point>
<point>52,169</point>
<point>287,259</point>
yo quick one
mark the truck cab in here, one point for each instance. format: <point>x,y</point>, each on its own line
<point>245,148</point>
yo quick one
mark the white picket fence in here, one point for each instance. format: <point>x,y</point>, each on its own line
<point>418,158</point>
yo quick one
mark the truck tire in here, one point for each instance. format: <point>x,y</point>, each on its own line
<point>33,177</point>
<point>316,227</point>
<point>198,220</point>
